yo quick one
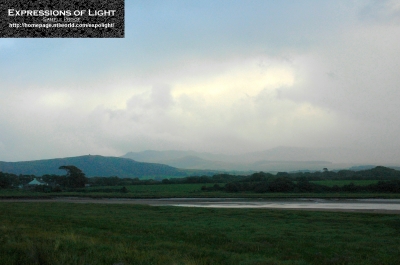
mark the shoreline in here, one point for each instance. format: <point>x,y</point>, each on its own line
<point>237,203</point>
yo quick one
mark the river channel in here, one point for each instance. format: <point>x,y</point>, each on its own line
<point>368,205</point>
<point>313,204</point>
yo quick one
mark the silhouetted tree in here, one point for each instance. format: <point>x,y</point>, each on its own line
<point>75,177</point>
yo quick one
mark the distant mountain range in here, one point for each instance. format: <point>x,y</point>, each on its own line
<point>94,165</point>
<point>171,164</point>
<point>272,160</point>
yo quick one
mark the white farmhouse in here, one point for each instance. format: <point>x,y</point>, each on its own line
<point>36,182</point>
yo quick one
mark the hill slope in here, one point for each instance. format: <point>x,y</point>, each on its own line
<point>93,165</point>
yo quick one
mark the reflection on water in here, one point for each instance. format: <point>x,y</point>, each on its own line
<point>368,205</point>
<point>341,204</point>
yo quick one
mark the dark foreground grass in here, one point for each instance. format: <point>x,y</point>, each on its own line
<point>62,233</point>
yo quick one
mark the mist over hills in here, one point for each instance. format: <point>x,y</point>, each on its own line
<point>276,159</point>
<point>93,165</point>
<point>174,163</point>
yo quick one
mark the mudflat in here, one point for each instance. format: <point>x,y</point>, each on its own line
<point>367,206</point>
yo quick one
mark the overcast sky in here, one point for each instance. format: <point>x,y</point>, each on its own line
<point>222,76</point>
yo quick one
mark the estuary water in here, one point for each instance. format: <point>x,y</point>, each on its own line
<point>306,203</point>
<point>314,204</point>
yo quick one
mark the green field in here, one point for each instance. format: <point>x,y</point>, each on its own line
<point>134,191</point>
<point>62,233</point>
<point>172,189</point>
<point>194,190</point>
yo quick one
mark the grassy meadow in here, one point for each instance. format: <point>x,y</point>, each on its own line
<point>194,191</point>
<point>67,233</point>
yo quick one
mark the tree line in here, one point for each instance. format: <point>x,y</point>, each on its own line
<point>257,182</point>
<point>286,184</point>
<point>389,181</point>
<point>74,178</point>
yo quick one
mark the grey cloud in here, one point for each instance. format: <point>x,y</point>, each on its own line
<point>380,11</point>
<point>161,96</point>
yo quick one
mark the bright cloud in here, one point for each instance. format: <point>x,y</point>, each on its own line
<point>239,78</point>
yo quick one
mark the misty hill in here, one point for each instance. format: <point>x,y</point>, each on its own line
<point>93,165</point>
<point>277,159</point>
<point>194,162</point>
<point>171,155</point>
<point>336,155</point>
